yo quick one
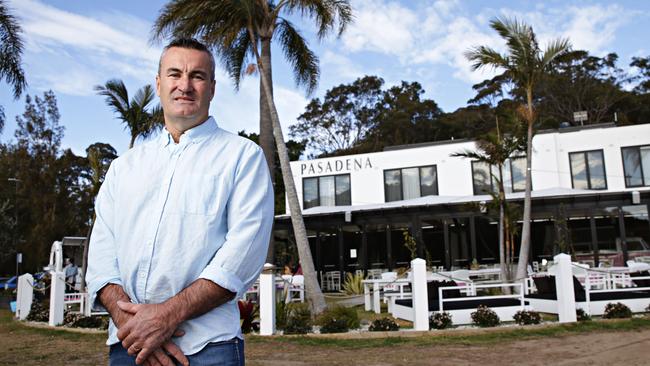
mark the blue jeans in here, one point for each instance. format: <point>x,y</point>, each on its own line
<point>226,353</point>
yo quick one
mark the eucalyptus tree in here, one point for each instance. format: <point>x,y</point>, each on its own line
<point>11,50</point>
<point>241,31</point>
<point>523,66</point>
<point>140,117</point>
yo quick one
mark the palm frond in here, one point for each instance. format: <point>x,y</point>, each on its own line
<point>236,57</point>
<point>483,56</point>
<point>303,61</point>
<point>116,96</point>
<point>11,49</point>
<point>328,14</point>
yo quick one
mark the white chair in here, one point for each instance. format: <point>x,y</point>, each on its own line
<point>461,277</point>
<point>297,286</point>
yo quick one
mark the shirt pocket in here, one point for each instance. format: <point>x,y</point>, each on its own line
<point>204,194</point>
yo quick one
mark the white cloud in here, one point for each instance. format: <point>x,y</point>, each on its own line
<point>70,53</point>
<point>442,32</point>
<point>381,27</point>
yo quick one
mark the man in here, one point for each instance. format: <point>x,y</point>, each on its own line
<point>70,271</point>
<point>182,229</point>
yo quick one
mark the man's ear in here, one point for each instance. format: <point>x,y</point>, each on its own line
<point>158,85</point>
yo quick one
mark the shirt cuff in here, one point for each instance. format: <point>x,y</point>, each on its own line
<point>225,279</point>
<point>95,304</point>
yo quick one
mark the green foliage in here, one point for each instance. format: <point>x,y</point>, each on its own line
<point>410,243</point>
<point>617,311</point>
<point>352,284</point>
<point>524,317</point>
<point>582,315</point>
<point>383,325</point>
<point>298,318</point>
<point>440,320</point>
<point>281,313</point>
<point>338,319</point>
<point>485,317</point>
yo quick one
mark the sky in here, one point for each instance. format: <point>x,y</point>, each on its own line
<point>73,45</point>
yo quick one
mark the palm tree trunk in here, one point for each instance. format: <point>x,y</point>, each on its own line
<point>502,252</point>
<point>267,143</point>
<point>524,250</point>
<point>84,266</point>
<point>133,137</point>
<point>313,292</point>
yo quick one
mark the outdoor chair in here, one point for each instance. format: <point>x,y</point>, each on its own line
<point>296,287</point>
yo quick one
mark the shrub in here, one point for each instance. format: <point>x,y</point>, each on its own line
<point>617,310</point>
<point>298,318</point>
<point>383,325</point>
<point>338,319</point>
<point>523,317</point>
<point>582,315</point>
<point>440,320</point>
<point>485,317</point>
<point>76,320</point>
<point>352,284</point>
<point>38,313</point>
<point>281,310</point>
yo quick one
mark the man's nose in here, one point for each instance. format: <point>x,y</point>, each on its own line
<point>185,84</point>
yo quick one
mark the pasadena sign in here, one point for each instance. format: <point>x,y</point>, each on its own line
<point>334,166</point>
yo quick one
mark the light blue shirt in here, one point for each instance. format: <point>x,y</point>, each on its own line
<point>169,214</point>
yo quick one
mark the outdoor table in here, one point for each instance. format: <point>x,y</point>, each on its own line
<point>376,285</point>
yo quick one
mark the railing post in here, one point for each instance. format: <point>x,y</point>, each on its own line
<point>267,300</point>
<point>566,301</point>
<point>57,292</point>
<point>420,297</point>
<point>24,296</point>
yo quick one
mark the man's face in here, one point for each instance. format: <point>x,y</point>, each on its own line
<point>185,86</point>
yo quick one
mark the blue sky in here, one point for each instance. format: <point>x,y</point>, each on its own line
<point>73,45</point>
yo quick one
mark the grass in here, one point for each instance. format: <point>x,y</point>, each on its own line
<point>8,325</point>
<point>462,338</point>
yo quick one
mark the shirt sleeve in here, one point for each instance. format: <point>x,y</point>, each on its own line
<point>102,254</point>
<point>238,263</point>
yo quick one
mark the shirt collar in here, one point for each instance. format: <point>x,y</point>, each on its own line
<point>194,134</point>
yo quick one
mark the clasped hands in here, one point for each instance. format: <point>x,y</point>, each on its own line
<point>147,333</point>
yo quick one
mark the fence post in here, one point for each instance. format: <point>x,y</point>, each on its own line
<point>566,301</point>
<point>24,296</point>
<point>267,300</point>
<point>420,297</point>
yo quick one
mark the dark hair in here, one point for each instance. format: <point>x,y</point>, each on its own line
<point>188,43</point>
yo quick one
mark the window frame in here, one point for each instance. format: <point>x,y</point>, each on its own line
<point>512,185</point>
<point>336,200</point>
<point>401,180</point>
<point>643,177</point>
<point>587,171</point>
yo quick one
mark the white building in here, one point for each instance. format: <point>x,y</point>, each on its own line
<point>357,206</point>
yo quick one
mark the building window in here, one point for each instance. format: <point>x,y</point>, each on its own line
<point>484,176</point>
<point>408,183</point>
<point>332,190</point>
<point>636,165</point>
<point>588,170</point>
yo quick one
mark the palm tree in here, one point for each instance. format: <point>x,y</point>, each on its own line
<point>494,149</point>
<point>99,156</point>
<point>135,113</point>
<point>243,30</point>
<point>523,65</point>
<point>11,49</point>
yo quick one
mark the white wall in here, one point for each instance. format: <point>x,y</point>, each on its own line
<point>550,162</point>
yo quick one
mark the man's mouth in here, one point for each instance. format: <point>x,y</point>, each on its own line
<point>184,99</point>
